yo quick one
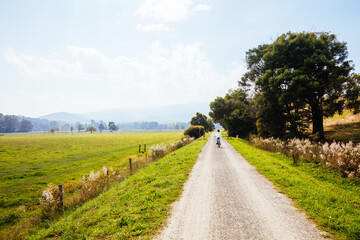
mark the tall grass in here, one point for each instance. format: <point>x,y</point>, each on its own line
<point>344,157</point>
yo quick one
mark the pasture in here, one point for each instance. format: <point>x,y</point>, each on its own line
<point>136,208</point>
<point>28,163</point>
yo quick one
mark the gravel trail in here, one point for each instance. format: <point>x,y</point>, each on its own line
<point>225,198</point>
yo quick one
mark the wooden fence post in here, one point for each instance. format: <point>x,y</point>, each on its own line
<point>139,148</point>
<point>61,197</point>
<point>130,164</point>
<point>144,147</point>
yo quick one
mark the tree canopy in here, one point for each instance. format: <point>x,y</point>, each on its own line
<point>201,120</point>
<point>12,123</point>
<point>91,129</point>
<point>112,126</point>
<point>25,126</point>
<point>195,131</point>
<point>235,113</point>
<point>298,78</point>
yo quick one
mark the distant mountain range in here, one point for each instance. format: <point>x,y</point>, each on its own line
<point>161,114</point>
<point>65,117</point>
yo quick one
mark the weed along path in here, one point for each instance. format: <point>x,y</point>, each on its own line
<point>225,198</point>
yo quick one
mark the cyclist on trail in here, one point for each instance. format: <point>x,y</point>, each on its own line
<point>218,136</point>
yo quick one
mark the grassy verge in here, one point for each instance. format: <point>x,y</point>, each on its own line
<point>137,207</point>
<point>331,201</point>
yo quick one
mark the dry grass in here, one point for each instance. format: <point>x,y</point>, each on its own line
<point>345,127</point>
<point>346,118</point>
<point>344,157</point>
<point>340,128</point>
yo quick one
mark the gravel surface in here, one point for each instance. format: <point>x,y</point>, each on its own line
<point>225,198</point>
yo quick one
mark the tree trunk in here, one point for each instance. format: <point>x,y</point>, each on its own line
<point>321,123</point>
<point>317,118</point>
<point>314,121</point>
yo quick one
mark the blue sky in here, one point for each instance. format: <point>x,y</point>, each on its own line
<point>86,55</point>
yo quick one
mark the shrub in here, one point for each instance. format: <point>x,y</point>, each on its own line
<point>195,131</point>
<point>158,151</point>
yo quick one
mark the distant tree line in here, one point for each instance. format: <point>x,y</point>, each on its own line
<point>12,123</point>
<point>296,81</point>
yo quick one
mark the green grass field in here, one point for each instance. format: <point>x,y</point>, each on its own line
<point>332,201</point>
<point>28,163</point>
<point>135,208</point>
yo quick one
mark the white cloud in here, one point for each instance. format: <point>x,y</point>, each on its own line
<point>89,80</point>
<point>202,7</point>
<point>169,10</point>
<point>152,28</point>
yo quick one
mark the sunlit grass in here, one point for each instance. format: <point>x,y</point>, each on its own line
<point>28,163</point>
<point>332,201</point>
<point>135,208</point>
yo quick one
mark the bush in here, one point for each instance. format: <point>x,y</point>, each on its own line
<point>195,131</point>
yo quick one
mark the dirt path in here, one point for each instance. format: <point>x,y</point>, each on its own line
<point>225,198</point>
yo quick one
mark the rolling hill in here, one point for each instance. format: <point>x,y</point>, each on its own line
<point>161,114</point>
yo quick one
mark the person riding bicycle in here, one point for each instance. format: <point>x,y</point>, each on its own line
<point>218,136</point>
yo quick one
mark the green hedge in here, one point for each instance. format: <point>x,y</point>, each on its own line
<point>195,131</point>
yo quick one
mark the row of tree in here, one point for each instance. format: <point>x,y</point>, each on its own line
<point>11,124</point>
<point>294,82</point>
<point>112,126</point>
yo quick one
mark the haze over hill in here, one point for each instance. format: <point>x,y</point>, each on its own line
<point>161,114</point>
<point>66,117</point>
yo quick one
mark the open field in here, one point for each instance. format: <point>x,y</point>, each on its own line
<point>136,207</point>
<point>331,200</point>
<point>28,163</point>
